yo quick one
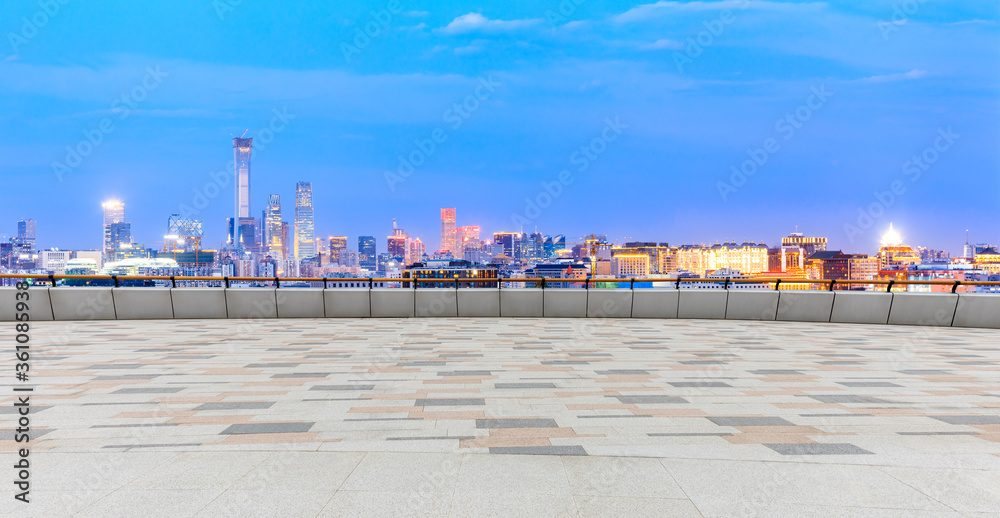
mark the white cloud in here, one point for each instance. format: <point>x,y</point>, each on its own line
<point>902,76</point>
<point>663,44</point>
<point>474,22</point>
<point>663,7</point>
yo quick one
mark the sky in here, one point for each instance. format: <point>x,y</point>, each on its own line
<point>671,121</point>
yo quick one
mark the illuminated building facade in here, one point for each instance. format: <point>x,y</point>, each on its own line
<point>242,149</point>
<point>273,238</point>
<point>367,255</point>
<point>467,236</point>
<point>417,251</point>
<point>305,232</point>
<point>448,236</point>
<point>811,245</point>
<point>338,244</point>
<point>114,212</point>
<point>182,234</point>
<point>625,266</point>
<point>893,254</point>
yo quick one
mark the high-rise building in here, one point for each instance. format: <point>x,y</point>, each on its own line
<point>337,245</point>
<point>114,212</point>
<point>120,235</point>
<point>417,251</point>
<point>811,245</point>
<point>182,234</point>
<point>26,234</point>
<point>893,254</point>
<point>509,241</point>
<point>465,236</point>
<point>305,234</point>
<point>367,255</point>
<point>242,149</point>
<point>396,243</point>
<point>273,238</point>
<point>624,266</point>
<point>448,231</point>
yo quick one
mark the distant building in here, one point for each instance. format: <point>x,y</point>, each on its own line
<point>448,237</point>
<point>338,244</point>
<point>625,266</point>
<point>54,261</point>
<point>305,233</point>
<point>465,237</point>
<point>27,237</point>
<point>451,270</point>
<point>182,234</point>
<point>242,151</point>
<point>893,254</point>
<point>367,254</point>
<point>396,243</point>
<point>417,250</point>
<point>811,245</point>
<point>114,212</point>
<point>510,242</point>
<point>273,229</point>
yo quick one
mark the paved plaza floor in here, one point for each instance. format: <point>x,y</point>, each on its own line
<point>508,417</point>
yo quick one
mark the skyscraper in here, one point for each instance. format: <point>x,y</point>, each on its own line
<point>337,245</point>
<point>396,243</point>
<point>273,235</point>
<point>242,148</point>
<point>26,234</point>
<point>367,256</point>
<point>183,233</point>
<point>114,212</point>
<point>305,233</point>
<point>465,236</point>
<point>417,251</point>
<point>448,230</point>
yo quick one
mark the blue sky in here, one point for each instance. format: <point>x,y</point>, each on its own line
<point>691,90</point>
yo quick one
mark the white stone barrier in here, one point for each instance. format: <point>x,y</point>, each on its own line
<point>702,303</point>
<point>655,303</point>
<point>436,302</point>
<point>923,309</point>
<point>348,302</point>
<point>82,303</point>
<point>978,310</point>
<point>861,307</point>
<point>300,303</point>
<point>609,303</point>
<point>749,304</point>
<point>521,302</point>
<point>478,302</point>
<point>804,306</point>
<point>564,303</point>
<point>143,303</point>
<point>392,302</point>
<point>199,302</point>
<point>39,305</point>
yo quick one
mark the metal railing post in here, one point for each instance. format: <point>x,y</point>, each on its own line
<point>677,285</point>
<point>889,287</point>
<point>173,282</point>
<point>777,283</point>
<point>115,279</point>
<point>832,282</point>
<point>631,285</point>
<point>955,287</point>
<point>277,283</point>
<point>226,279</point>
<point>726,285</point>
<point>52,279</point>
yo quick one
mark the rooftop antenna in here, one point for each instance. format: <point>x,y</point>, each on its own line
<point>244,133</point>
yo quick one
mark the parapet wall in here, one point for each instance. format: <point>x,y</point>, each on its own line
<point>925,309</point>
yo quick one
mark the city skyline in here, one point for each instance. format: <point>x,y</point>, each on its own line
<point>672,120</point>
